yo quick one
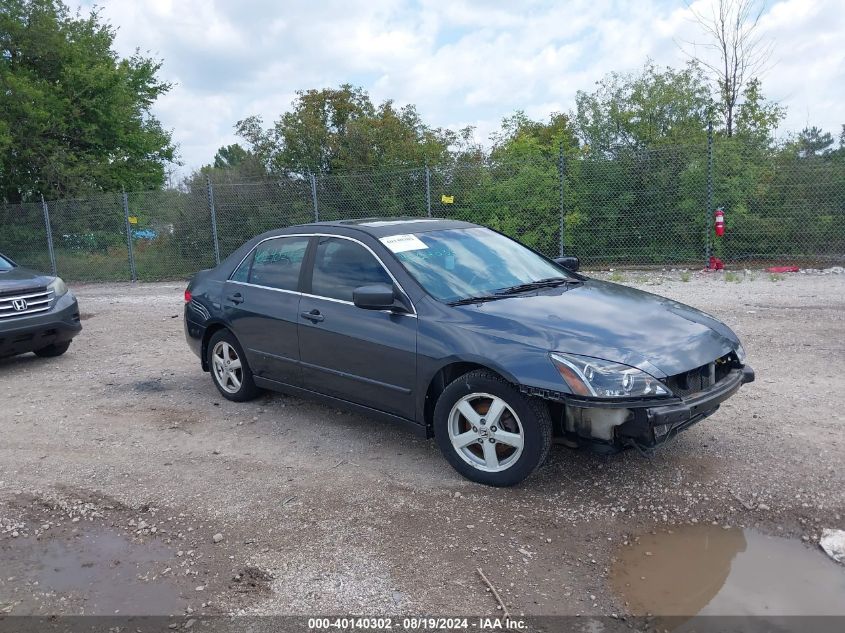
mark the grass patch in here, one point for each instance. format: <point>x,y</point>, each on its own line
<point>685,276</point>
<point>775,277</point>
<point>732,277</point>
<point>155,261</point>
<point>616,276</point>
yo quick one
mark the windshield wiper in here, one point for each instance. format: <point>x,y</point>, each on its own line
<point>478,299</point>
<point>551,282</point>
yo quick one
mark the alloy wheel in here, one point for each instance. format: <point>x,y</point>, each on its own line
<point>227,366</point>
<point>486,432</point>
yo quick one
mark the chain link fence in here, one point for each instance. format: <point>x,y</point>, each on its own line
<point>640,208</point>
<point>622,208</point>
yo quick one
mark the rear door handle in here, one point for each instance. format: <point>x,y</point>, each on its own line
<point>236,298</point>
<point>314,316</point>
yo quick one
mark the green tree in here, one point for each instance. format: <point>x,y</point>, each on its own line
<point>652,108</point>
<point>517,190</point>
<point>811,142</point>
<point>522,137</point>
<point>340,129</point>
<point>757,118</point>
<point>232,164</point>
<point>231,156</point>
<point>636,190</point>
<point>75,117</point>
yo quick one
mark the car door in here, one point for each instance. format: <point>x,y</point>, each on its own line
<point>261,302</point>
<point>364,356</point>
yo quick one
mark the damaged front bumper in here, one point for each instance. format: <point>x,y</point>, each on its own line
<point>610,426</point>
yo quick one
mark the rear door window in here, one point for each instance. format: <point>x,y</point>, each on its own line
<point>277,262</point>
<point>242,271</point>
<point>341,266</point>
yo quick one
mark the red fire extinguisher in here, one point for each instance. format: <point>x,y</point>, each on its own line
<point>720,222</point>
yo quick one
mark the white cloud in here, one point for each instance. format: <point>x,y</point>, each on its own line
<point>464,60</point>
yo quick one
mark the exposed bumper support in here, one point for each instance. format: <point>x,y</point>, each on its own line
<point>654,425</point>
<point>647,424</point>
<point>708,401</point>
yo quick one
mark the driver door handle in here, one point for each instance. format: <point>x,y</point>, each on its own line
<point>314,316</point>
<point>236,298</point>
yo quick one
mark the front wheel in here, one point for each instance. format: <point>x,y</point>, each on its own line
<point>489,431</point>
<point>51,351</point>
<point>229,368</point>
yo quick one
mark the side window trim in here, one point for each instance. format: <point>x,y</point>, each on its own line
<point>307,271</point>
<point>307,268</point>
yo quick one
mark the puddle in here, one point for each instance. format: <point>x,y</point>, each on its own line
<point>708,570</point>
<point>97,572</point>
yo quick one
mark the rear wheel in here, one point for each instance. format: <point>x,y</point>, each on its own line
<point>229,368</point>
<point>51,351</point>
<point>489,431</point>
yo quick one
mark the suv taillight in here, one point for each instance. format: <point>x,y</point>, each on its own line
<point>187,296</point>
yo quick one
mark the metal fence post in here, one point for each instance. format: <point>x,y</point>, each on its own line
<point>428,189</point>
<point>707,238</point>
<point>132,273</point>
<point>314,197</point>
<point>213,211</point>
<point>561,168</point>
<point>49,230</point>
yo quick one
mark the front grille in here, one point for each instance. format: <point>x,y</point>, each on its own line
<point>701,378</point>
<point>25,302</point>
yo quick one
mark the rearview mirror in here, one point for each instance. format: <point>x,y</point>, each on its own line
<point>570,262</point>
<point>377,297</point>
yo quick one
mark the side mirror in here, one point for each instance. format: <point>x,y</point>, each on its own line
<point>378,297</point>
<point>569,261</point>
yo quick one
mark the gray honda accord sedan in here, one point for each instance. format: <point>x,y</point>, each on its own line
<point>463,334</point>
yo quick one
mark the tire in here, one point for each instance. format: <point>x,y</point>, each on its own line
<point>461,415</point>
<point>51,351</point>
<point>233,379</point>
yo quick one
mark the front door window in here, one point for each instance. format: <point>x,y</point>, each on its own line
<point>343,265</point>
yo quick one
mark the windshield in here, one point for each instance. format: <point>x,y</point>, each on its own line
<point>5,264</point>
<point>458,264</point>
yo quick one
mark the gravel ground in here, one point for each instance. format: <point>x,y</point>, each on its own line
<point>283,506</point>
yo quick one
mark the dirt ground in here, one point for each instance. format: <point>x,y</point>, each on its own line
<point>122,452</point>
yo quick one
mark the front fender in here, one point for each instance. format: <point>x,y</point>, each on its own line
<point>440,345</point>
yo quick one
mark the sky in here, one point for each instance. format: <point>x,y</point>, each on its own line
<point>462,62</point>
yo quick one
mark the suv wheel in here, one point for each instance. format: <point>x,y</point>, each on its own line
<point>490,432</point>
<point>229,368</point>
<point>51,351</point>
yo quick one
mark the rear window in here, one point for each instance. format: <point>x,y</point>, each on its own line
<point>5,264</point>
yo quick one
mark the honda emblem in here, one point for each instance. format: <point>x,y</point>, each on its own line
<point>20,305</point>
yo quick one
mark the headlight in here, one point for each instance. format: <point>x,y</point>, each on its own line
<point>58,287</point>
<point>740,354</point>
<point>593,377</point>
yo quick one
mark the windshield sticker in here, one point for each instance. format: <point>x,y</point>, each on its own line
<point>402,243</point>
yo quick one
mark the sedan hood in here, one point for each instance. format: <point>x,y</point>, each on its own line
<point>21,279</point>
<point>612,322</point>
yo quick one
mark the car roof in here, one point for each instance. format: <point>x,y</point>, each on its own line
<point>383,227</point>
